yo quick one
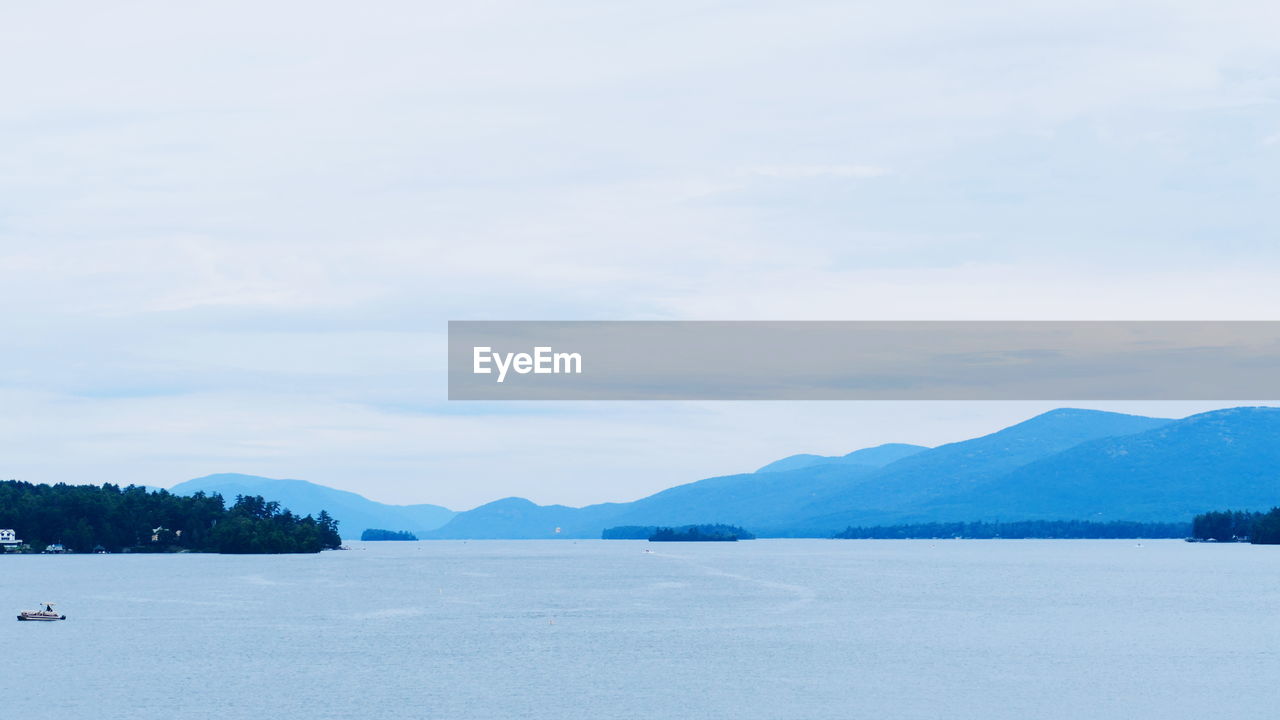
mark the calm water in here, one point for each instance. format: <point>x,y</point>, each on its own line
<point>793,629</point>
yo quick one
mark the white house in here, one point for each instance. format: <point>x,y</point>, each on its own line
<point>8,539</point>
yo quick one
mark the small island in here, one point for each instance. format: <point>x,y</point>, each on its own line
<point>379,535</point>
<point>683,533</point>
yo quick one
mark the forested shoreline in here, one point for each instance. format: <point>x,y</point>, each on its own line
<point>1020,530</point>
<point>108,518</point>
<point>1258,528</point>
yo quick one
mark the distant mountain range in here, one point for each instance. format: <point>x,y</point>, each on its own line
<point>1066,464</point>
<point>354,513</point>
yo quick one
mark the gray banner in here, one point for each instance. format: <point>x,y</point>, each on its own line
<point>1191,360</point>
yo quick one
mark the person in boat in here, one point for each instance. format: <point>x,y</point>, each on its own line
<point>48,608</point>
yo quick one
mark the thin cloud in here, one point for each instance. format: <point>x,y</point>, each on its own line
<point>801,172</point>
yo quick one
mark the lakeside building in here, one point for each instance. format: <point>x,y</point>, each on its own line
<point>9,540</point>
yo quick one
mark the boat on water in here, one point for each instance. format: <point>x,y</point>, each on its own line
<point>46,615</point>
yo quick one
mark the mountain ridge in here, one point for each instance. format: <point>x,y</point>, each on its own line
<point>956,467</point>
<point>354,512</point>
<point>816,498</point>
<point>877,456</point>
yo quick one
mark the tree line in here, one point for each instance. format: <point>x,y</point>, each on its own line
<point>88,518</point>
<point>1258,528</point>
<point>1026,529</point>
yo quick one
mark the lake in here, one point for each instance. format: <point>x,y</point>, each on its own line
<point>787,629</point>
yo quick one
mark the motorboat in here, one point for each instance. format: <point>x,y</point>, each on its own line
<point>48,614</point>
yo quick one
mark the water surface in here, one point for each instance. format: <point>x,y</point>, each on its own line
<point>787,629</point>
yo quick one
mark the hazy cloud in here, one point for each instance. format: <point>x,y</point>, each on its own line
<point>231,233</point>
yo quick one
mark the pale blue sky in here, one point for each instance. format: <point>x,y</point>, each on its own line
<point>231,233</point>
